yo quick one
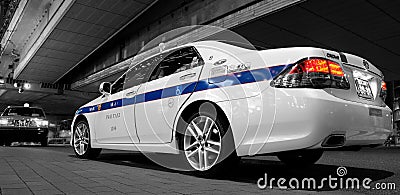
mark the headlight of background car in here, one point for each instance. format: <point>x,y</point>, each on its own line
<point>40,123</point>
<point>5,122</point>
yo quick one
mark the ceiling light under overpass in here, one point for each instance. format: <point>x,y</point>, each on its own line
<point>27,85</point>
<point>22,86</point>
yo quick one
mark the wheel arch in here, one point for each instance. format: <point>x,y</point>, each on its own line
<point>78,118</point>
<point>192,107</point>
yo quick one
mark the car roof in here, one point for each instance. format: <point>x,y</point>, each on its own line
<point>190,44</point>
<point>194,44</point>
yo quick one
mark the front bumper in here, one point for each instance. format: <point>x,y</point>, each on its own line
<point>23,134</point>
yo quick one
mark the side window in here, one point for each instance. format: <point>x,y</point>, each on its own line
<point>180,60</point>
<point>118,85</point>
<point>140,72</point>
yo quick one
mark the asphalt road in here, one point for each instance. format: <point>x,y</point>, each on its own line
<point>55,170</point>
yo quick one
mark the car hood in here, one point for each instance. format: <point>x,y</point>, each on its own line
<point>20,117</point>
<point>91,103</point>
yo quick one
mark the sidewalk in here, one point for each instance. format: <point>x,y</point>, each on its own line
<point>56,170</point>
<point>36,170</point>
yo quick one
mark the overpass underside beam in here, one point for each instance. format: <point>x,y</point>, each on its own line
<point>227,18</point>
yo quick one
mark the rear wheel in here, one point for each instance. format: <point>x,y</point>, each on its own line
<point>207,142</point>
<point>44,142</point>
<point>81,141</point>
<point>202,143</point>
<point>300,157</point>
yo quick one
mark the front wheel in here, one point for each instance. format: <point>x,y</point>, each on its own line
<point>81,142</point>
<point>300,157</point>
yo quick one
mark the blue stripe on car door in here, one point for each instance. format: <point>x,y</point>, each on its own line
<point>244,77</point>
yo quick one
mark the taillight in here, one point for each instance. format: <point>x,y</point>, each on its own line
<point>313,73</point>
<point>383,90</point>
<point>383,86</point>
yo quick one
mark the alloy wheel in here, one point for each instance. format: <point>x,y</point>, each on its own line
<point>202,143</point>
<point>81,138</point>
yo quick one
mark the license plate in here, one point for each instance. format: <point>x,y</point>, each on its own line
<point>363,89</point>
<point>21,123</point>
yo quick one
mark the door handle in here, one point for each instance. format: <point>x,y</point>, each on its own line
<point>187,76</point>
<point>132,93</point>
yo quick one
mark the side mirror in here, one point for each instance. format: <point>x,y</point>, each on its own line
<point>105,88</point>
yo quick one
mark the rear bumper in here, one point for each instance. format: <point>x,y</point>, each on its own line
<point>305,118</point>
<point>317,115</point>
<point>23,134</point>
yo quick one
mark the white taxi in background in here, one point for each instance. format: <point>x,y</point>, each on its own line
<point>212,100</point>
<point>23,124</point>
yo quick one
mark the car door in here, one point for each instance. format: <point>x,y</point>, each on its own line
<point>109,121</point>
<point>159,99</point>
<point>135,76</point>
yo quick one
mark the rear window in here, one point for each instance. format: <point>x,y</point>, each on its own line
<point>33,112</point>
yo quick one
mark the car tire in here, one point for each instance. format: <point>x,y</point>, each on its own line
<point>44,142</point>
<point>82,141</point>
<point>7,143</point>
<point>300,157</point>
<point>213,151</point>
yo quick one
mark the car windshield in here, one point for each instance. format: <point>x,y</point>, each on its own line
<point>23,111</point>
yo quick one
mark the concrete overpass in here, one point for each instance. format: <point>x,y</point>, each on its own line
<point>67,47</point>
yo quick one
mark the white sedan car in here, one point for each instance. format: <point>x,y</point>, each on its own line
<point>211,100</point>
